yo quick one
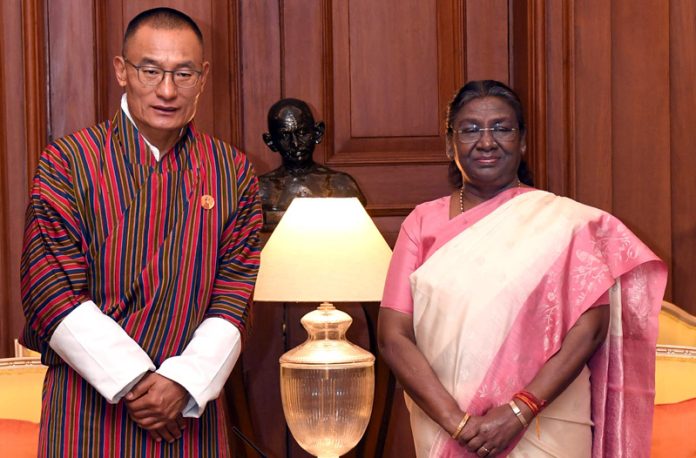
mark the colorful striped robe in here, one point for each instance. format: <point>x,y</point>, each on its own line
<point>107,222</point>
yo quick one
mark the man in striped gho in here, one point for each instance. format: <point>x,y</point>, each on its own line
<point>140,255</point>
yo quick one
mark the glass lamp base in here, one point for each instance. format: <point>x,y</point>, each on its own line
<point>327,409</point>
<point>327,386</point>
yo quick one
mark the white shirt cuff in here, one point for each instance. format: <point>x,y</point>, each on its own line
<point>205,364</point>
<point>100,351</point>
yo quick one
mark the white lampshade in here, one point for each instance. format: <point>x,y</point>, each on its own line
<point>323,249</point>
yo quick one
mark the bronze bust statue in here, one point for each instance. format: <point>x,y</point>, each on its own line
<point>293,133</point>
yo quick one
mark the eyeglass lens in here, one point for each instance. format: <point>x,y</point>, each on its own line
<point>152,76</point>
<point>474,135</point>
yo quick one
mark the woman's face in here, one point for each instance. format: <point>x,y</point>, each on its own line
<point>488,162</point>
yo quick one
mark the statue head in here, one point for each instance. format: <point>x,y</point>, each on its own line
<point>292,132</point>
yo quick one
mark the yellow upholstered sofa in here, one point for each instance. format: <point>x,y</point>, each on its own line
<point>674,430</point>
<point>21,382</point>
<point>677,327</point>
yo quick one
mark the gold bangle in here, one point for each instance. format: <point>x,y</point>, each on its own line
<point>460,427</point>
<point>518,413</point>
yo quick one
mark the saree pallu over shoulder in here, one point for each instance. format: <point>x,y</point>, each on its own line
<point>494,303</point>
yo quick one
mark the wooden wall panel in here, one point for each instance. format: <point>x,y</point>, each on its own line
<point>262,86</point>
<point>5,266</point>
<point>34,42</point>
<point>14,176</point>
<point>558,116</point>
<point>261,61</point>
<point>306,51</point>
<point>381,73</point>
<point>641,121</point>
<point>71,68</point>
<point>487,30</point>
<point>377,60</point>
<point>302,50</point>
<point>620,103</point>
<point>682,47</point>
<point>225,83</point>
<point>529,61</point>
<point>109,42</point>
<point>308,55</point>
<point>590,178</point>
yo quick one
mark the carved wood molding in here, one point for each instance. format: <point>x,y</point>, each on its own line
<point>226,58</point>
<point>3,127</point>
<point>35,101</point>
<point>327,76</point>
<point>536,42</point>
<point>235,51</point>
<point>389,210</point>
<point>4,232</point>
<point>569,96</point>
<point>532,60</point>
<point>102,59</point>
<point>459,18</point>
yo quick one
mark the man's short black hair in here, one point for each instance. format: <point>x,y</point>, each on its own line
<point>160,18</point>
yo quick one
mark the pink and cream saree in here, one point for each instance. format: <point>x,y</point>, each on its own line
<point>495,290</point>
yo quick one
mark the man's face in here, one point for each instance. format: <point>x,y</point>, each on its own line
<point>293,135</point>
<point>161,110</point>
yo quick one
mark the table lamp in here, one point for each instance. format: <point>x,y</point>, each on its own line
<point>325,249</point>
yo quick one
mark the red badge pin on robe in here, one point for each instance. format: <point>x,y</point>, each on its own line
<point>207,201</point>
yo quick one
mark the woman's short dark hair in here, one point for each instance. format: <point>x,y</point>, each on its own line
<point>476,90</point>
<point>485,88</point>
<point>161,18</point>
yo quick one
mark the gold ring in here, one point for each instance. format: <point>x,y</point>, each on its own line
<point>485,450</point>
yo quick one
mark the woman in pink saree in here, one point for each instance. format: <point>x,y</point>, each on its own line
<point>519,323</point>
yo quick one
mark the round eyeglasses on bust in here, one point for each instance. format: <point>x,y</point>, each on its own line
<point>151,75</point>
<point>472,134</point>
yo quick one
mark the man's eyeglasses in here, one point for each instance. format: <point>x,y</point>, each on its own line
<point>150,75</point>
<point>473,134</point>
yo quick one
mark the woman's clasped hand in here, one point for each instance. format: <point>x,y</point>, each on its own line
<point>490,433</point>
